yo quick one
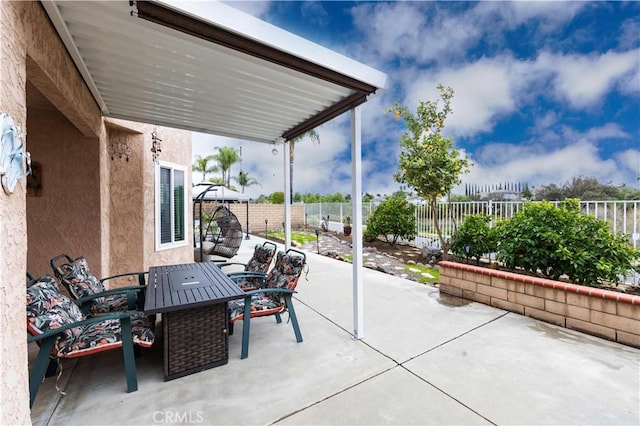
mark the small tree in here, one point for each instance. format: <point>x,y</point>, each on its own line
<point>429,162</point>
<point>474,237</point>
<point>394,218</point>
<point>277,197</point>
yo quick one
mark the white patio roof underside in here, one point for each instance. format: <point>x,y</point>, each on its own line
<point>207,67</point>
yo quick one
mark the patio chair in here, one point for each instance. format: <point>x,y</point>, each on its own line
<point>228,234</point>
<point>273,297</point>
<point>63,331</point>
<point>259,263</point>
<point>81,284</point>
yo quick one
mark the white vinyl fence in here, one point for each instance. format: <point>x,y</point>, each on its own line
<point>333,213</point>
<point>623,216</point>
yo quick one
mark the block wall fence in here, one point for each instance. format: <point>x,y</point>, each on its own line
<point>273,213</point>
<point>604,313</point>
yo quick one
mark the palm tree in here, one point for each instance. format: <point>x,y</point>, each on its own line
<point>226,158</point>
<point>244,180</point>
<point>202,165</point>
<point>311,134</point>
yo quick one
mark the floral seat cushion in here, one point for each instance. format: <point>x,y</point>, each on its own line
<point>285,274</point>
<point>286,271</point>
<point>48,309</point>
<point>262,257</point>
<point>81,282</point>
<point>261,304</point>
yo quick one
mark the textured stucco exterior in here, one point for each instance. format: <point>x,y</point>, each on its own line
<point>90,205</point>
<point>13,236</point>
<point>132,197</point>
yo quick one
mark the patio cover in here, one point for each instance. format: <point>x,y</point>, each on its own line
<point>207,67</point>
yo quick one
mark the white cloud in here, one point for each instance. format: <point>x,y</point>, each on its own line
<point>630,30</point>
<point>629,160</point>
<point>539,167</point>
<point>418,31</point>
<point>584,80</point>
<point>426,32</point>
<point>491,88</point>
<point>484,91</point>
<point>549,14</point>
<point>541,162</point>
<point>608,131</point>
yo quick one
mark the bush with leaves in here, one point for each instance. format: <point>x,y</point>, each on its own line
<point>394,218</point>
<point>555,241</point>
<point>474,237</point>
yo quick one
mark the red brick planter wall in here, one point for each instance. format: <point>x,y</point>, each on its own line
<point>608,314</point>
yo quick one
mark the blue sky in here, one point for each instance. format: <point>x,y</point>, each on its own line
<point>544,91</point>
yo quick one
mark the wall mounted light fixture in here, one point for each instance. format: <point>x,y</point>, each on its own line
<point>156,147</point>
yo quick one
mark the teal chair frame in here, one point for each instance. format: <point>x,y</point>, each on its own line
<point>46,364</point>
<point>287,294</point>
<point>246,322</point>
<point>48,339</point>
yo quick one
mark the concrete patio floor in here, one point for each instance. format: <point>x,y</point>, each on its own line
<point>425,359</point>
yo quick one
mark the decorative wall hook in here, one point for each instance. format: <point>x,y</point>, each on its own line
<point>156,146</point>
<point>119,147</point>
<point>15,162</point>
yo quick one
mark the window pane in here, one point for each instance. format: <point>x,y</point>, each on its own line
<point>165,205</point>
<point>178,205</point>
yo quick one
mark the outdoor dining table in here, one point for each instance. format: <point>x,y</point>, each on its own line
<point>192,299</point>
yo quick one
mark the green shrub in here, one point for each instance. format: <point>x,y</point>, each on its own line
<point>474,237</point>
<point>560,241</point>
<point>394,218</point>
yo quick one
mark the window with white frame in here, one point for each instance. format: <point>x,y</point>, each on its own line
<point>171,215</point>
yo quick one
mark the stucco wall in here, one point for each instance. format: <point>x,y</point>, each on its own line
<point>65,218</point>
<point>13,237</point>
<point>126,204</point>
<point>132,197</point>
<point>176,149</point>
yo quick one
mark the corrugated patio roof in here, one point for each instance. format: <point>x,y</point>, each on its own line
<point>207,67</point>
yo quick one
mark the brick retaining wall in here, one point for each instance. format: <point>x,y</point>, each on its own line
<point>604,313</point>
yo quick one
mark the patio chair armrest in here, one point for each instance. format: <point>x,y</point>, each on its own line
<point>234,276</point>
<point>129,291</point>
<point>223,264</point>
<point>92,320</point>
<point>141,277</point>
<point>248,294</point>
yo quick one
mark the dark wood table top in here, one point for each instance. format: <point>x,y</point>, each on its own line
<point>189,285</point>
